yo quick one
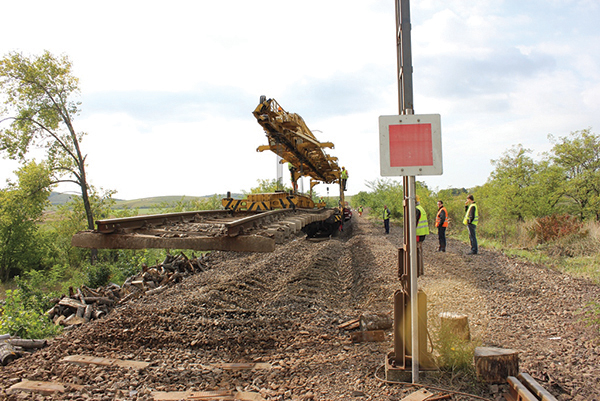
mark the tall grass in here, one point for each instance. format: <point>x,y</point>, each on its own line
<point>560,242</point>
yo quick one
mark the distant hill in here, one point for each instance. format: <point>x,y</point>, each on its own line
<point>148,203</point>
<point>57,198</point>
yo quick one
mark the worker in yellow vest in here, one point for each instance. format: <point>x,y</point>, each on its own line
<point>471,220</point>
<point>422,232</point>
<point>422,223</point>
<point>292,174</point>
<point>386,219</point>
<point>441,222</point>
<point>344,177</point>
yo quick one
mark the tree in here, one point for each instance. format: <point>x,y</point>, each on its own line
<point>386,192</point>
<point>267,186</point>
<point>578,155</point>
<point>38,112</point>
<point>21,207</point>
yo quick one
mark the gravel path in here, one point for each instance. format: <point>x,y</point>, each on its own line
<point>283,308</point>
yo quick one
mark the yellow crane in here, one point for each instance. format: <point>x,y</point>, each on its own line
<point>290,138</point>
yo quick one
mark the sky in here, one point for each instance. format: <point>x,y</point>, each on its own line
<point>168,88</point>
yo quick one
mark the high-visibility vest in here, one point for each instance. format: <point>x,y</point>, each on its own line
<point>437,218</point>
<point>476,219</point>
<point>344,174</point>
<point>386,214</point>
<point>422,224</point>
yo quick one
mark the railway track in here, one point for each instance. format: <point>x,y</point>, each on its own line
<point>204,230</point>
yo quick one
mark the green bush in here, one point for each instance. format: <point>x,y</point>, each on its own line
<point>23,313</point>
<point>98,275</point>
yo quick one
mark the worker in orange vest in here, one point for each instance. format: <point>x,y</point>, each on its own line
<point>441,222</point>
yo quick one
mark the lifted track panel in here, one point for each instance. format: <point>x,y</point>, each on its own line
<point>249,243</point>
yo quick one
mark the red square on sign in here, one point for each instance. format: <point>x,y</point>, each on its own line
<point>411,145</point>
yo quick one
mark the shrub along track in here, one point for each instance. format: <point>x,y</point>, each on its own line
<point>284,307</point>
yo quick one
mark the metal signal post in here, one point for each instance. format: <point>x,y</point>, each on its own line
<point>410,145</point>
<point>406,106</point>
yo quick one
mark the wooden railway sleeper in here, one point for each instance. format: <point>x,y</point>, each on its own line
<point>525,388</point>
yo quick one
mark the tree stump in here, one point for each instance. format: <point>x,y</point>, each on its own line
<point>455,324</point>
<point>494,365</point>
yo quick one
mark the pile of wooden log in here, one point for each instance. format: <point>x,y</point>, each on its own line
<point>85,303</point>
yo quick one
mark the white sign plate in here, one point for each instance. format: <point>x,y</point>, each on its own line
<point>410,145</point>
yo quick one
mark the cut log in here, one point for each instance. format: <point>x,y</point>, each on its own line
<point>81,311</point>
<point>349,325</point>
<point>375,321</point>
<point>8,354</point>
<point>156,290</point>
<point>52,312</point>
<point>494,365</point>
<point>87,315</point>
<point>73,320</point>
<point>27,344</point>
<point>100,300</point>
<point>455,324</point>
<point>71,303</point>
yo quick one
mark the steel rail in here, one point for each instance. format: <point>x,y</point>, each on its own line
<point>108,226</point>
<point>233,228</point>
<point>237,227</point>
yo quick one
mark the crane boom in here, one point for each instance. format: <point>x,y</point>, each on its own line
<point>290,139</point>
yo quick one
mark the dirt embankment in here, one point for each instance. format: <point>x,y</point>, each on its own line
<point>284,307</point>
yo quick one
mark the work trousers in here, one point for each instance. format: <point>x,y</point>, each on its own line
<point>442,238</point>
<point>473,237</point>
<point>386,224</point>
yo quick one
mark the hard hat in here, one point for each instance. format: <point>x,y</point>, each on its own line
<point>417,198</point>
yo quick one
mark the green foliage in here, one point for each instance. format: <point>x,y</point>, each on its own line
<point>23,313</point>
<point>428,201</point>
<point>189,205</point>
<point>129,262</point>
<point>118,265</point>
<point>71,218</point>
<point>522,187</point>
<point>21,208</point>
<point>578,157</point>
<point>454,201</point>
<point>268,186</point>
<point>385,192</point>
<point>38,113</point>
<point>98,275</point>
